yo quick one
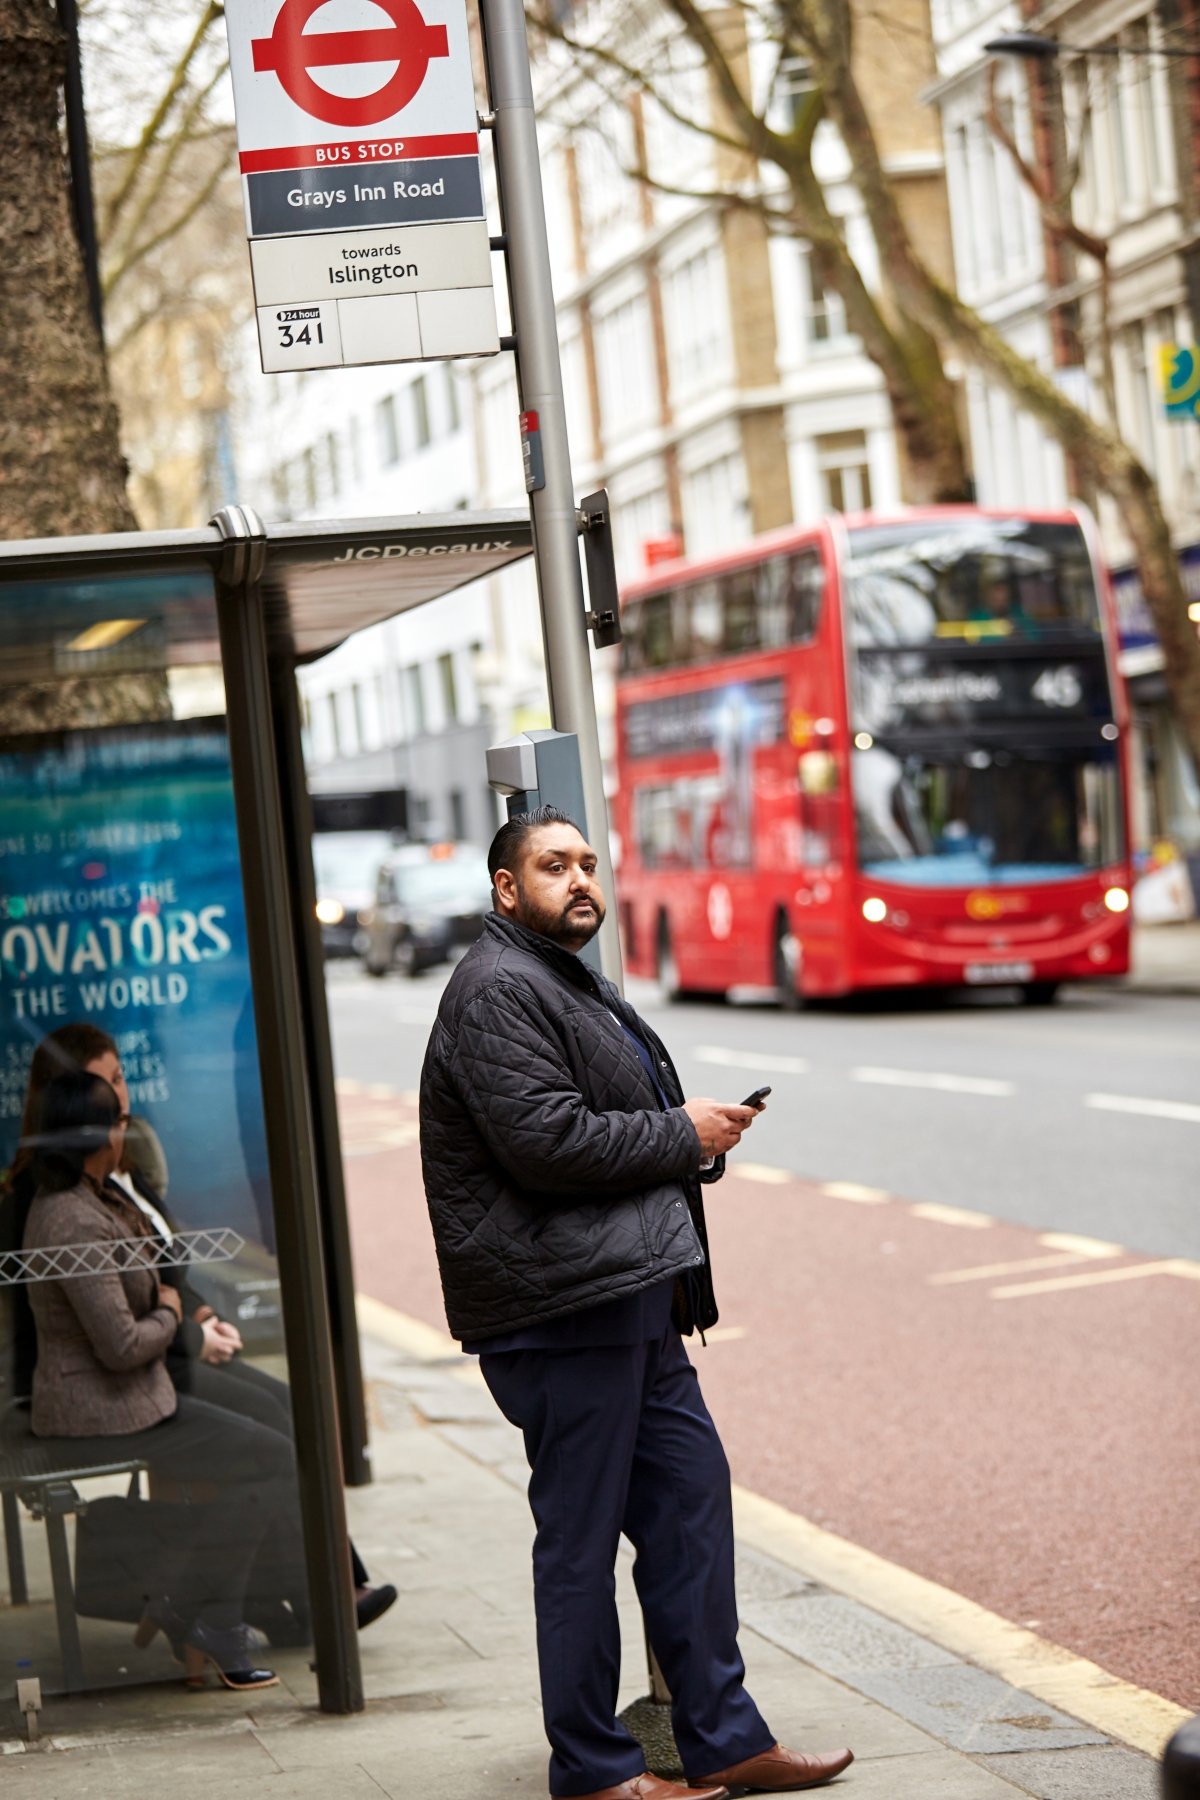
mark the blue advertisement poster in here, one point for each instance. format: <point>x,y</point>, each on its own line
<point>121,904</point>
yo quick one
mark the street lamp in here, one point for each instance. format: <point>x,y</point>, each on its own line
<point>1036,48</point>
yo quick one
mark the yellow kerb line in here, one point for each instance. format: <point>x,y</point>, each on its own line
<point>989,1271</point>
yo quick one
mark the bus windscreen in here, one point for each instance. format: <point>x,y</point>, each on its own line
<point>984,744</point>
<point>973,581</point>
<point>967,817</point>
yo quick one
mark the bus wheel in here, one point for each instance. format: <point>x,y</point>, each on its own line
<point>668,973</point>
<point>787,966</point>
<point>1040,993</point>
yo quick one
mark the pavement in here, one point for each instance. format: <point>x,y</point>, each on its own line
<point>450,1673</point>
<point>1166,959</point>
<point>1007,1412</point>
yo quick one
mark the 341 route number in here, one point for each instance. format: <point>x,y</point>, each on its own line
<point>302,336</point>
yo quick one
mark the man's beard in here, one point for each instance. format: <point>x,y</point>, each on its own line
<point>570,926</point>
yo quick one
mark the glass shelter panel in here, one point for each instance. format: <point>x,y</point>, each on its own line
<point>150,1506</point>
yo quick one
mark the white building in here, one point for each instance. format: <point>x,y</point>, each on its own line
<point>413,703</point>
<point>1135,190</point>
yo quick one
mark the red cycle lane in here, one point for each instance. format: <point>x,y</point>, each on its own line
<point>1039,1453</point>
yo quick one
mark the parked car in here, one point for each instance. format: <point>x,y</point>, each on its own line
<point>346,864</point>
<point>429,903</point>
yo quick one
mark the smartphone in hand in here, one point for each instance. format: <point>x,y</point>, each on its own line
<point>757,1097</point>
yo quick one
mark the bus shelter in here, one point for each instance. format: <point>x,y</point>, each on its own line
<point>156,885</point>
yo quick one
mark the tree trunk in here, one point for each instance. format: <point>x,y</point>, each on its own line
<point>928,440</point>
<point>1099,454</point>
<point>61,469</point>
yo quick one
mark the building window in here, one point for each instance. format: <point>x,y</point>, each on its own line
<point>716,508</point>
<point>358,709</point>
<point>695,308</point>
<point>449,695</point>
<point>335,732</point>
<point>845,473</point>
<point>458,816</point>
<point>826,313</point>
<point>625,365</point>
<point>415,695</point>
<point>1143,393</point>
<point>389,437</point>
<point>453,415</point>
<point>420,406</point>
<point>636,523</point>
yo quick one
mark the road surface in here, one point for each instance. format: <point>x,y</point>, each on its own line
<point>957,1262</point>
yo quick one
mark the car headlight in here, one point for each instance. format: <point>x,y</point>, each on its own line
<point>1117,900</point>
<point>875,910</point>
<point>330,912</point>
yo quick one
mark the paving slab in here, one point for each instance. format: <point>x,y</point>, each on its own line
<point>1108,1773</point>
<point>450,1672</point>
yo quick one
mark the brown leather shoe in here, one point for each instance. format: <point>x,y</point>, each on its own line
<point>779,1771</point>
<point>651,1787</point>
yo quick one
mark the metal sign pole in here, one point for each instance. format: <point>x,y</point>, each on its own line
<point>539,379</point>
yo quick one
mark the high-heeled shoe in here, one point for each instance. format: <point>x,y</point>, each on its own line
<point>370,1603</point>
<point>160,1615</point>
<point>231,1654</point>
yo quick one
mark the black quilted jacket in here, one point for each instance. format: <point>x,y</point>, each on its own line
<point>554,1179</point>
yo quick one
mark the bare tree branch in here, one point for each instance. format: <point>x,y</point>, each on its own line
<point>1057,216</point>
<point>183,135</point>
<point>213,11</point>
<point>179,221</point>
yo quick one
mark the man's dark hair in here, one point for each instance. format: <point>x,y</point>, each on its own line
<point>509,841</point>
<point>76,1113</point>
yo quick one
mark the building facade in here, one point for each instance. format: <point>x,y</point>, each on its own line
<point>1119,122</point>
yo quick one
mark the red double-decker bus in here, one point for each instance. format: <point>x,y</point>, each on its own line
<point>882,753</point>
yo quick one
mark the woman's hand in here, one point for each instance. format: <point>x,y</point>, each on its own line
<point>221,1341</point>
<point>169,1296</point>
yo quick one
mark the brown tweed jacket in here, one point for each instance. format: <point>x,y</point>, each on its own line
<point>101,1338</point>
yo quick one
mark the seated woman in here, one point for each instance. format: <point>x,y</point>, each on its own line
<point>101,1373</point>
<point>203,1356</point>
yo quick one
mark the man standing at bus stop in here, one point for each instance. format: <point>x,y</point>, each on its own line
<point>562,1168</point>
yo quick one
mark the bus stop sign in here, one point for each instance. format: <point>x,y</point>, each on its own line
<point>290,54</point>
<point>368,242</point>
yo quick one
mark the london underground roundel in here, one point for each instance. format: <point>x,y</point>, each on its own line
<point>291,52</point>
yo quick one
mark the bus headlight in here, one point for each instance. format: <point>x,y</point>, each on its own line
<point>330,912</point>
<point>1117,900</point>
<point>875,910</point>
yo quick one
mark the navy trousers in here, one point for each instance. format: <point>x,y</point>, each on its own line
<point>619,1440</point>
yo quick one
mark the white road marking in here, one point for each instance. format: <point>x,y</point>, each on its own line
<point>415,1015</point>
<point>951,1215</point>
<point>854,1190</point>
<point>752,1171</point>
<point>748,1059</point>
<point>943,1084</point>
<point>1190,1271</point>
<point>1150,1109</point>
